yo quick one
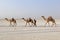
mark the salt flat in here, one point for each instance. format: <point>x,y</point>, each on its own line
<point>20,32</point>
<point>29,33</point>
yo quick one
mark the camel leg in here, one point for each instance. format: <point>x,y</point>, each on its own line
<point>32,24</point>
<point>10,24</point>
<point>54,24</point>
<point>48,24</point>
<point>29,24</point>
<point>26,24</point>
<point>45,24</point>
<point>35,25</point>
<point>15,24</point>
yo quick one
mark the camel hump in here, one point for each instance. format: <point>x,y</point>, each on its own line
<point>30,19</point>
<point>50,18</point>
<point>22,18</point>
<point>5,18</point>
<point>13,19</point>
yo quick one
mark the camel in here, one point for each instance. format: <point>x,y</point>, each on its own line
<point>11,21</point>
<point>49,19</point>
<point>29,20</point>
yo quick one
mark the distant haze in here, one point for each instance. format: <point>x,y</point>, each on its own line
<point>29,8</point>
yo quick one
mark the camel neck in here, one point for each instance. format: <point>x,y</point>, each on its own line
<point>24,19</point>
<point>44,18</point>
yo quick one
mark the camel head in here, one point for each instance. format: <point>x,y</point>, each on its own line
<point>43,17</point>
<point>6,19</point>
<point>23,18</point>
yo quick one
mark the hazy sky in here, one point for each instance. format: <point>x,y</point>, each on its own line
<point>29,8</point>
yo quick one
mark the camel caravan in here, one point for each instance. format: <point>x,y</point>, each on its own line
<point>32,21</point>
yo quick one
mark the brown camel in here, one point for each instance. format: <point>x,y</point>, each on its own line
<point>29,20</point>
<point>11,21</point>
<point>49,19</point>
